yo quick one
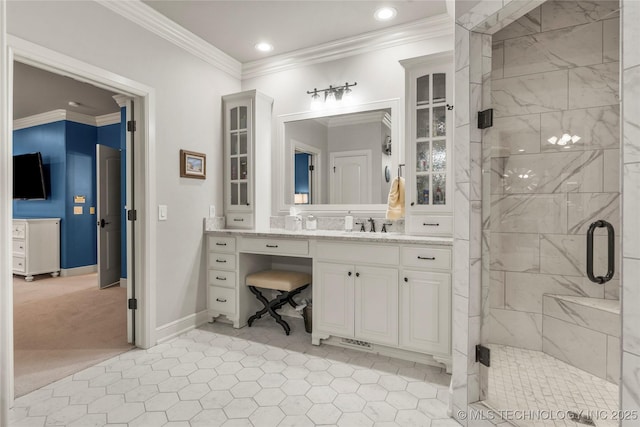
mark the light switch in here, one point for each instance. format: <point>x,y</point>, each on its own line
<point>162,212</point>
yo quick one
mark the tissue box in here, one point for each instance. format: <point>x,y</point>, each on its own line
<point>215,223</point>
<point>293,223</point>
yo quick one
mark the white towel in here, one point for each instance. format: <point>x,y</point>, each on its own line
<point>395,208</point>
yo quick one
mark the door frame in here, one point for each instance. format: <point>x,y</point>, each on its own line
<point>144,255</point>
<point>316,182</point>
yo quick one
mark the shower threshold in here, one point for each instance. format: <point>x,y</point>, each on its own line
<point>530,389</point>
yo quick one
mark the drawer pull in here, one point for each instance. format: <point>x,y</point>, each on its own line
<point>238,219</point>
<point>220,244</point>
<point>221,261</point>
<point>431,224</point>
<point>428,258</point>
<point>220,278</point>
<point>272,246</point>
<point>221,300</point>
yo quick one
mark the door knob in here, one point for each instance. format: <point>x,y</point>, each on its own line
<point>103,223</point>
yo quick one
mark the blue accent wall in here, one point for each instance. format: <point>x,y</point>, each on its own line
<point>69,161</point>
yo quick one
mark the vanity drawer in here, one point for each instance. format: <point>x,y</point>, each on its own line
<point>431,225</point>
<point>19,264</point>
<point>222,261</point>
<point>358,253</point>
<point>222,300</point>
<point>239,220</point>
<point>18,246</point>
<point>275,246</point>
<point>222,244</point>
<point>426,258</point>
<point>18,230</point>
<point>222,278</point>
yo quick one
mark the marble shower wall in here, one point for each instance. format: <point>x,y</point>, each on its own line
<point>554,71</point>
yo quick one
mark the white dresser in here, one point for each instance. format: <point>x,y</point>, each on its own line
<point>36,247</point>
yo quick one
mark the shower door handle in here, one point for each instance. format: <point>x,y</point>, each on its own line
<point>610,252</point>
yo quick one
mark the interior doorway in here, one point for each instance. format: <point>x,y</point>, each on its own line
<point>139,181</point>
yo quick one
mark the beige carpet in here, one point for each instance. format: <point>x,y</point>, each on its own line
<point>63,325</point>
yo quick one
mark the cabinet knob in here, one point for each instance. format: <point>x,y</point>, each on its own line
<point>357,274</point>
<point>406,279</point>
<point>413,203</point>
<point>248,204</point>
<point>349,274</point>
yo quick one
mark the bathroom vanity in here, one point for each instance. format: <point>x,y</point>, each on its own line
<point>386,293</point>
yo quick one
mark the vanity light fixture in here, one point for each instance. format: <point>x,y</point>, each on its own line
<point>333,96</point>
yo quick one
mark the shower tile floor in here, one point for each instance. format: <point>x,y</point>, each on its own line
<point>220,376</point>
<point>527,380</point>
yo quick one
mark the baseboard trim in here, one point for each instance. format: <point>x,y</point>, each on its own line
<point>123,282</point>
<point>78,271</point>
<point>172,329</point>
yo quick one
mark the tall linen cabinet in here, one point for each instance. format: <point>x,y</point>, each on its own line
<point>247,159</point>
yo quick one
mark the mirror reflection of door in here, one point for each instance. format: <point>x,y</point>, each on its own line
<point>350,177</point>
<point>304,171</point>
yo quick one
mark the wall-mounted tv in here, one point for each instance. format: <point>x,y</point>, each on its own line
<point>28,177</point>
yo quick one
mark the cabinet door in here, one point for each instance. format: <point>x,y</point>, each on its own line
<point>429,137</point>
<point>238,158</point>
<point>425,312</point>
<point>376,303</point>
<point>334,298</point>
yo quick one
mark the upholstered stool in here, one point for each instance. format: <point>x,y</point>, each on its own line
<point>288,283</point>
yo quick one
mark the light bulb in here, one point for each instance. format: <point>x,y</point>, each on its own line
<point>385,13</point>
<point>264,47</point>
<point>330,101</point>
<point>347,97</point>
<point>316,103</point>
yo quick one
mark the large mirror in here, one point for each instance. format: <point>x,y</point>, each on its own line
<point>345,159</point>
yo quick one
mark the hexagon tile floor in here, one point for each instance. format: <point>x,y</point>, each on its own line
<point>220,376</point>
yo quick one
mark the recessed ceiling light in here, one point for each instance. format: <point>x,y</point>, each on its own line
<point>385,13</point>
<point>264,47</point>
<point>73,104</point>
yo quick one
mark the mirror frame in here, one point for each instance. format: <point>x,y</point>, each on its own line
<point>280,163</point>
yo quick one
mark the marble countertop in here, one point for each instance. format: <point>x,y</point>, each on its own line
<point>356,236</point>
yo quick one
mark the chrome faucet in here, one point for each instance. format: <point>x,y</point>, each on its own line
<point>361,224</point>
<point>373,225</point>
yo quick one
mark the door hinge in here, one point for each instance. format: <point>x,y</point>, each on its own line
<point>311,168</point>
<point>483,355</point>
<point>485,119</point>
<point>131,125</point>
<point>132,215</point>
<point>133,304</point>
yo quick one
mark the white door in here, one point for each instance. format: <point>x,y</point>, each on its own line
<point>376,314</point>
<point>350,177</point>
<point>335,298</point>
<point>108,171</point>
<point>425,311</point>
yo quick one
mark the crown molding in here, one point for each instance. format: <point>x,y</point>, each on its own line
<point>152,20</point>
<point>107,119</point>
<point>356,119</point>
<point>424,29</point>
<point>121,100</point>
<point>59,115</point>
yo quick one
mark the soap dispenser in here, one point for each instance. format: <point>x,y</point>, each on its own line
<point>311,223</point>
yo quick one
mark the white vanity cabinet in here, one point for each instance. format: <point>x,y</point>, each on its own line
<point>428,144</point>
<point>222,277</point>
<point>36,247</point>
<point>247,137</point>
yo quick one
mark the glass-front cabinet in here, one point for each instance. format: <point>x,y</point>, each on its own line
<point>247,138</point>
<point>428,134</point>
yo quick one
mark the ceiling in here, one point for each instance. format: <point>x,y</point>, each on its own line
<point>236,26</point>
<point>232,26</point>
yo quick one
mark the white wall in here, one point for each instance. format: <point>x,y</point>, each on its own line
<point>379,76</point>
<point>188,115</point>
